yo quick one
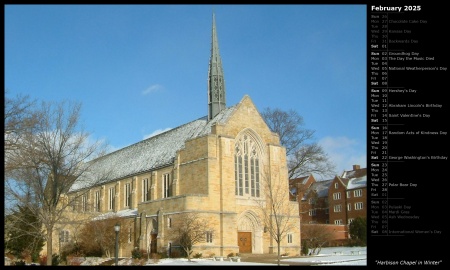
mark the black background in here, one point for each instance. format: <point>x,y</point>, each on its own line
<point>429,199</point>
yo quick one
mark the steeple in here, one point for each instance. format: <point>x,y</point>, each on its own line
<point>216,81</point>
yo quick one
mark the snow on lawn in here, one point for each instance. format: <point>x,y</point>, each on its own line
<point>327,256</point>
<point>336,256</point>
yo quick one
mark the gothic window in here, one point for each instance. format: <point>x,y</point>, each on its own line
<point>246,167</point>
<point>145,190</point>
<point>84,203</point>
<point>167,186</point>
<point>127,195</point>
<point>97,201</point>
<point>111,198</point>
<point>73,203</point>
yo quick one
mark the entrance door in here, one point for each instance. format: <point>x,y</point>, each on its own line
<point>153,246</point>
<point>245,242</point>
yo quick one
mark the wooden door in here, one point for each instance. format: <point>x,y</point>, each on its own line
<point>153,246</point>
<point>245,242</point>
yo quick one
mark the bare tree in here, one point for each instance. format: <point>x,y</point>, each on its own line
<point>280,215</point>
<point>190,229</point>
<point>304,155</point>
<point>20,118</point>
<point>316,236</point>
<point>48,159</point>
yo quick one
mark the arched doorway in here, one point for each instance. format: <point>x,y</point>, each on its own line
<point>245,242</point>
<point>249,233</point>
<point>153,236</point>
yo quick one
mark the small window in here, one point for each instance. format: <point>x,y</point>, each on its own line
<point>349,207</point>
<point>64,236</point>
<point>336,185</point>
<point>358,206</point>
<point>337,208</point>
<point>338,222</point>
<point>357,193</point>
<point>289,238</point>
<point>130,235</point>
<point>337,196</point>
<point>312,212</point>
<point>348,194</point>
<point>209,237</point>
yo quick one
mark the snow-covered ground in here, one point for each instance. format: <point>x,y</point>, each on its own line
<point>328,256</point>
<point>336,256</point>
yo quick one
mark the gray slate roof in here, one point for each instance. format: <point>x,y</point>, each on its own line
<point>149,154</point>
<point>321,187</point>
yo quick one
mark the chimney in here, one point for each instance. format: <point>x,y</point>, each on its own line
<point>356,167</point>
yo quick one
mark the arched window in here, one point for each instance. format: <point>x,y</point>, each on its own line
<point>246,167</point>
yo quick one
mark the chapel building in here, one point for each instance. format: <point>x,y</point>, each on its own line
<point>217,166</point>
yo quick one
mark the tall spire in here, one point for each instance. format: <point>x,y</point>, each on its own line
<point>216,80</point>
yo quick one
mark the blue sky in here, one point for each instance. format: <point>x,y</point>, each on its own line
<point>141,69</point>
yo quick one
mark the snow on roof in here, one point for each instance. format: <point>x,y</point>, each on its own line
<point>299,180</point>
<point>149,154</point>
<point>220,118</point>
<point>354,173</point>
<point>121,213</point>
<point>321,188</point>
<point>358,182</point>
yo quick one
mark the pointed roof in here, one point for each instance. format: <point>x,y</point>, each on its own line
<point>149,154</point>
<point>216,80</point>
<point>214,41</point>
<point>154,152</point>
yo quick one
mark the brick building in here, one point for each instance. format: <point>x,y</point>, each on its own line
<point>347,196</point>
<point>335,202</point>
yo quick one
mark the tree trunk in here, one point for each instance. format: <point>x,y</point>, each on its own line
<point>189,254</point>
<point>49,246</point>
<point>278,257</point>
